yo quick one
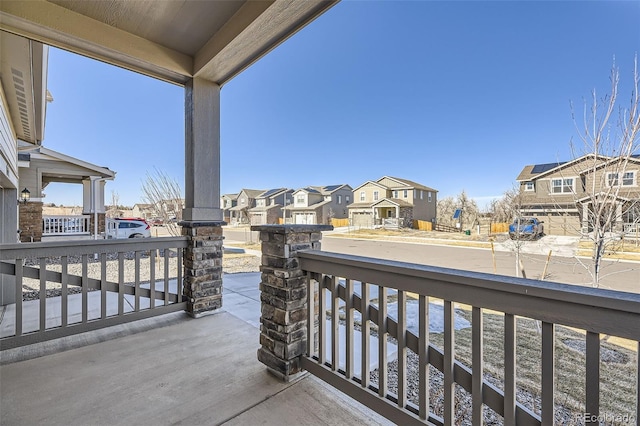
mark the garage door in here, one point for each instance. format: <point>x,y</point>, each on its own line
<point>362,220</point>
<point>305,218</point>
<point>561,224</point>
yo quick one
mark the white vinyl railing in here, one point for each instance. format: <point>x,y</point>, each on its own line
<point>346,285</point>
<point>66,225</point>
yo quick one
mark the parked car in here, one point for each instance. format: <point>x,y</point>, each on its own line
<point>526,227</point>
<point>128,227</point>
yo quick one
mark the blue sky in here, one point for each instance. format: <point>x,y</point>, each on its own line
<point>454,95</point>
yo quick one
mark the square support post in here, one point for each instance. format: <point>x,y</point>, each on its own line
<point>203,267</point>
<point>283,295</point>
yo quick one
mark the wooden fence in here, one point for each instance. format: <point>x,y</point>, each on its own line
<point>422,225</point>
<point>339,222</point>
<point>499,227</point>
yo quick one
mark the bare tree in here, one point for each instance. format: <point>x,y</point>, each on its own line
<point>164,195</point>
<point>447,207</point>
<point>113,210</point>
<point>509,209</point>
<point>608,143</point>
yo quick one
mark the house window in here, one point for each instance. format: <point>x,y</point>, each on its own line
<point>406,193</point>
<point>562,186</point>
<point>243,201</point>
<point>339,199</point>
<point>395,194</point>
<point>612,179</point>
<point>528,186</point>
<point>375,195</point>
<point>347,199</point>
<point>362,196</point>
<point>421,194</point>
<point>429,196</point>
<point>300,199</point>
<point>628,179</point>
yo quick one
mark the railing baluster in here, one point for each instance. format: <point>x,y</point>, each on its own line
<point>64,307</point>
<point>449,358</point>
<point>365,331</point>
<point>477,369</point>
<point>322,319</point>
<point>120,283</point>
<point>349,329</point>
<point>166,277</point>
<point>85,289</point>
<point>423,368</point>
<point>137,280</point>
<point>592,403</point>
<point>548,372</point>
<point>335,325</point>
<point>402,349</point>
<point>43,293</point>
<point>179,283</point>
<point>310,315</point>
<point>382,341</point>
<point>152,279</point>
<point>509,369</point>
<point>19,297</point>
<point>103,285</point>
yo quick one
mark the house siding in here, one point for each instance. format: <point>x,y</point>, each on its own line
<point>8,152</point>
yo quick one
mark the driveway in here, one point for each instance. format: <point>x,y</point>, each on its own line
<point>558,245</point>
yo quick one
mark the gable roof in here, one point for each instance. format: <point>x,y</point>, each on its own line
<point>536,171</point>
<point>251,193</point>
<point>231,196</point>
<point>408,183</point>
<point>271,192</point>
<point>372,182</point>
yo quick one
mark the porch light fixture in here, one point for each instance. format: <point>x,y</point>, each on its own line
<point>24,196</point>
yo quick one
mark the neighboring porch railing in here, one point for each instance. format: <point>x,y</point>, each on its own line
<point>103,297</point>
<point>65,225</point>
<point>596,312</point>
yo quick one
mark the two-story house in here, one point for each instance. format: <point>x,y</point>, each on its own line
<point>239,214</point>
<point>319,204</point>
<point>269,204</point>
<point>392,202</point>
<point>226,202</point>
<point>562,194</point>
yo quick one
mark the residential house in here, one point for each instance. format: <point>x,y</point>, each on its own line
<point>226,202</point>
<point>239,214</point>
<point>392,202</point>
<point>319,204</point>
<point>145,211</point>
<point>561,194</point>
<point>269,204</point>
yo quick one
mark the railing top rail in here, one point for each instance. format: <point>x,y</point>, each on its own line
<point>599,310</point>
<point>73,216</point>
<point>66,248</point>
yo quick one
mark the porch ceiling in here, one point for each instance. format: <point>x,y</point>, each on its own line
<point>166,39</point>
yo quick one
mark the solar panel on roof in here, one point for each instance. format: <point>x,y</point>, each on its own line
<point>332,187</point>
<point>271,192</point>
<point>311,190</point>
<point>541,168</point>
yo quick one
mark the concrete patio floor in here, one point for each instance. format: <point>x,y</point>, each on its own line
<point>167,370</point>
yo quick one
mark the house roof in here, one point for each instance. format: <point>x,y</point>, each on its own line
<point>536,171</point>
<point>393,201</point>
<point>263,208</point>
<point>359,205</point>
<point>315,206</point>
<point>77,170</point>
<point>271,192</point>
<point>407,182</point>
<point>370,182</point>
<point>324,190</point>
<point>231,196</point>
<point>252,193</point>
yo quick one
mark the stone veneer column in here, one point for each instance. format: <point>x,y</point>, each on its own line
<point>283,333</point>
<point>203,267</point>
<point>30,221</point>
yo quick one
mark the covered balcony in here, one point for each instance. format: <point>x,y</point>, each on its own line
<point>342,339</point>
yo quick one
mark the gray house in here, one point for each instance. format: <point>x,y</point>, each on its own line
<point>227,201</point>
<point>269,204</point>
<point>239,214</point>
<point>319,204</point>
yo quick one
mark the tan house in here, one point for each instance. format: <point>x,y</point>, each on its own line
<point>319,204</point>
<point>239,214</point>
<point>392,202</point>
<point>562,194</point>
<point>226,202</point>
<point>269,204</point>
<point>145,211</point>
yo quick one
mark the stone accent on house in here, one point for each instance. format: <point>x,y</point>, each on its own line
<point>283,287</point>
<point>406,214</point>
<point>101,223</point>
<point>203,267</point>
<point>30,221</point>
